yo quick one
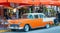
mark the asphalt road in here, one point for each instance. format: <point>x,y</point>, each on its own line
<point>55,29</point>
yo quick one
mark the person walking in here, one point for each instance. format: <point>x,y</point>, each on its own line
<point>13,16</point>
<point>4,20</point>
<point>58,16</point>
<point>57,19</point>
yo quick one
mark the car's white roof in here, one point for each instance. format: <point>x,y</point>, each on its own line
<point>33,13</point>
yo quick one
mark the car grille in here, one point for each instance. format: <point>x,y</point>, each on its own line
<point>14,25</point>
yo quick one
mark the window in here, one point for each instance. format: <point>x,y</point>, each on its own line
<point>31,16</point>
<point>41,16</point>
<point>36,16</point>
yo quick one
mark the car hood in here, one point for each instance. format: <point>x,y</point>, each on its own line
<point>17,21</point>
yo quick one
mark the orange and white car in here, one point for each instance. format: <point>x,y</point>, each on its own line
<point>30,21</point>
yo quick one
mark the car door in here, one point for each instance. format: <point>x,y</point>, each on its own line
<point>32,22</point>
<point>34,19</point>
<point>41,16</point>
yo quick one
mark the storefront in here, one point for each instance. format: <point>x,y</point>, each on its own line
<point>10,11</point>
<point>1,10</point>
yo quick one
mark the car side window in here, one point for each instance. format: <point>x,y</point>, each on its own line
<point>30,16</point>
<point>36,16</point>
<point>41,16</point>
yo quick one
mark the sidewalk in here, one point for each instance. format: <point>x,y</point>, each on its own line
<point>2,29</point>
<point>59,24</point>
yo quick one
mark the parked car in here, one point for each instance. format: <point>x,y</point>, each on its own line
<point>30,21</point>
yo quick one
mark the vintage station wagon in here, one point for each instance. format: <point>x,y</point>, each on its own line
<point>30,21</point>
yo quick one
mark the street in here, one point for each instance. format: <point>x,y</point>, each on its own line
<point>23,16</point>
<point>55,29</point>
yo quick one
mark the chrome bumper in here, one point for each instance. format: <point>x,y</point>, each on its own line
<point>15,27</point>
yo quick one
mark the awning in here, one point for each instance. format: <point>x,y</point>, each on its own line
<point>30,2</point>
<point>45,2</point>
<point>20,2</point>
<point>24,2</point>
<point>4,3</point>
<point>16,1</point>
<point>55,3</point>
<point>1,1</point>
<point>50,2</point>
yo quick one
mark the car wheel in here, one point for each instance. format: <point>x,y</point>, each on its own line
<point>48,26</point>
<point>26,28</point>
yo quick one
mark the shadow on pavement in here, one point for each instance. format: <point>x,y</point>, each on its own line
<point>23,31</point>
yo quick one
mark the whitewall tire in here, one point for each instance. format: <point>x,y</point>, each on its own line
<point>48,26</point>
<point>26,28</point>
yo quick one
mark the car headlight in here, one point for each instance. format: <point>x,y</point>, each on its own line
<point>4,23</point>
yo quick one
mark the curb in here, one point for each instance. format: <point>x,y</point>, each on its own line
<point>5,30</point>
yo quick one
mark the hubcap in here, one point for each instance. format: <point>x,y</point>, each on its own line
<point>47,26</point>
<point>26,28</point>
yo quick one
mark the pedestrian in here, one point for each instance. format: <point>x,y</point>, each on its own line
<point>13,16</point>
<point>56,22</point>
<point>7,16</point>
<point>40,10</point>
<point>4,20</point>
<point>0,20</point>
<point>58,16</point>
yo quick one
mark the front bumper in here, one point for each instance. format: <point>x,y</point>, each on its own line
<point>15,27</point>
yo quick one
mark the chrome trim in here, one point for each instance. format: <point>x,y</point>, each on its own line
<point>15,27</point>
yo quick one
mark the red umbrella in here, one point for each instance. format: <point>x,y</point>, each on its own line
<point>34,2</point>
<point>45,2</point>
<point>50,2</point>
<point>20,2</point>
<point>55,3</point>
<point>25,2</point>
<point>4,3</point>
<point>1,1</point>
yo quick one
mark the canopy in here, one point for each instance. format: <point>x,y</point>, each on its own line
<point>4,3</point>
<point>30,2</point>
<point>20,2</point>
<point>44,2</point>
<point>50,2</point>
<point>35,2</point>
<point>56,3</point>
<point>1,1</point>
<point>9,2</point>
<point>17,1</point>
